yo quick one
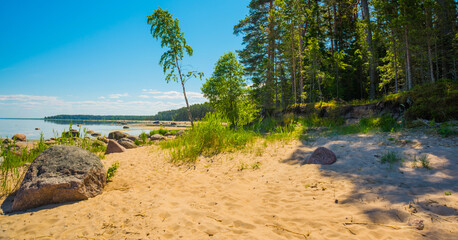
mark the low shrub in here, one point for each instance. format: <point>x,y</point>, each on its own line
<point>432,101</point>
<point>208,137</point>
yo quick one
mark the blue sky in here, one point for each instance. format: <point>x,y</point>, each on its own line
<point>98,57</point>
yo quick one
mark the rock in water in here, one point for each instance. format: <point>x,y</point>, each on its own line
<point>323,156</point>
<point>20,137</point>
<point>117,135</point>
<point>71,133</point>
<point>114,147</point>
<point>127,143</point>
<point>60,174</point>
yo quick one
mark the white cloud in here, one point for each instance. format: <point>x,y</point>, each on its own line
<point>149,103</point>
<point>171,95</point>
<point>24,98</point>
<point>118,95</point>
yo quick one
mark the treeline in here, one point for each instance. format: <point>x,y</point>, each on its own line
<point>198,111</point>
<point>299,51</point>
<point>97,117</point>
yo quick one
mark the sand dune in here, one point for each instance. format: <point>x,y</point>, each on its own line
<point>223,197</point>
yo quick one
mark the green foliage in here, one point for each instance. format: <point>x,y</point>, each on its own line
<point>227,92</point>
<point>197,110</point>
<point>143,137</point>
<point>166,28</point>
<point>390,158</point>
<point>112,170</point>
<point>84,118</point>
<point>208,137</point>
<point>384,124</point>
<point>424,161</point>
<point>433,102</point>
<point>313,120</point>
<point>447,130</point>
<point>13,159</point>
<point>161,131</point>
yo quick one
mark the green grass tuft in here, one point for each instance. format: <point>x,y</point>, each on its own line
<point>391,158</point>
<point>209,137</point>
<point>112,170</point>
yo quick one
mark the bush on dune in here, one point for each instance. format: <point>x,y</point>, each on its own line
<point>208,137</point>
<point>434,101</point>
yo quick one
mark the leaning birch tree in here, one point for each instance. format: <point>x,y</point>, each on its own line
<point>165,27</point>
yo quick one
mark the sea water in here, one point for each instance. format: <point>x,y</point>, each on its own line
<point>9,127</point>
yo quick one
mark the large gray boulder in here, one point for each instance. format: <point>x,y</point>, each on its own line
<point>157,137</point>
<point>127,143</point>
<point>132,138</point>
<point>114,147</point>
<point>60,174</point>
<point>322,156</point>
<point>117,135</point>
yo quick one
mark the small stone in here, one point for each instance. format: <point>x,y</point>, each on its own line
<point>417,223</point>
<point>322,156</point>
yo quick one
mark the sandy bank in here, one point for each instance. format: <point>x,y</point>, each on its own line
<point>355,198</point>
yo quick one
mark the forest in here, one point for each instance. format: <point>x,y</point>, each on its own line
<point>303,51</point>
<point>198,111</point>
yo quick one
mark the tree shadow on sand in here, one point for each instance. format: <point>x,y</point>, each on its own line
<point>416,188</point>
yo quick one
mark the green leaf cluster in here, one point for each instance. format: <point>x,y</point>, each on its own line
<point>227,91</point>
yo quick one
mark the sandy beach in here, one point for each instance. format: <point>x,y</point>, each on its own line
<point>229,197</point>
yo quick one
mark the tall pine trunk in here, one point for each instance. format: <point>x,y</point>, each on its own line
<point>367,18</point>
<point>409,71</point>
<point>301,67</point>
<point>293,74</point>
<point>269,95</point>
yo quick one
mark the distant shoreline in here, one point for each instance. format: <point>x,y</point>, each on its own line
<point>24,118</point>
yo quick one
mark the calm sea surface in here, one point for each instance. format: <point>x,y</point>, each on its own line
<point>9,127</point>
